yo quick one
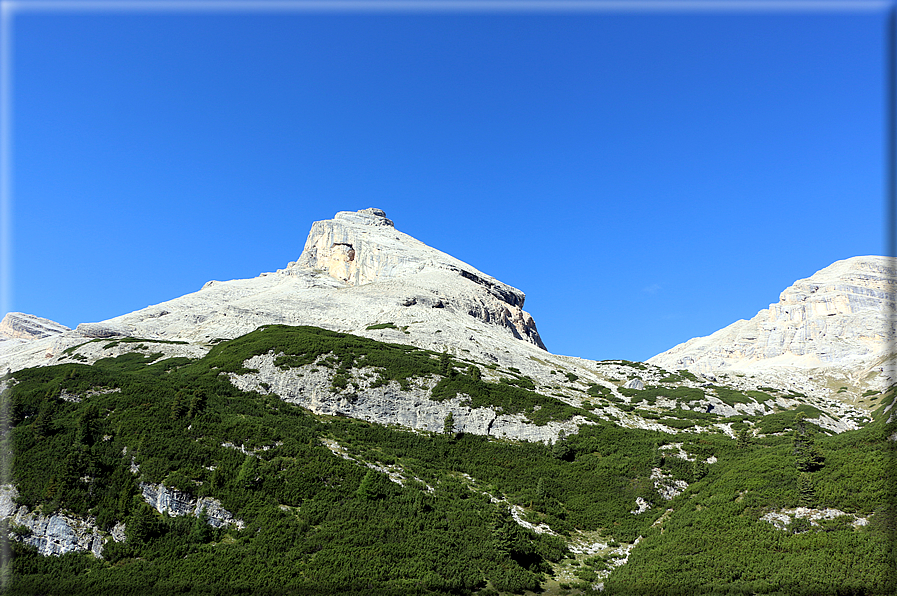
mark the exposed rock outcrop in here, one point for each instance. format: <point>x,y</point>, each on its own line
<point>18,325</point>
<point>310,387</point>
<point>176,502</point>
<point>840,318</point>
<point>55,534</point>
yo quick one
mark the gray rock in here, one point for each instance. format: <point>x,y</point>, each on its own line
<point>17,325</point>
<point>310,387</point>
<point>55,534</point>
<point>175,503</point>
<point>634,384</point>
<point>98,330</point>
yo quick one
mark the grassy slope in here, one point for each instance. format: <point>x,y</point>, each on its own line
<point>313,529</point>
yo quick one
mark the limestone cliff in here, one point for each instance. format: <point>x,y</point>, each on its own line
<point>55,534</point>
<point>841,317</point>
<point>356,271</point>
<point>17,325</point>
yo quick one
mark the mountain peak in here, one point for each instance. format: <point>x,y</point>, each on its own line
<point>363,247</point>
<point>368,217</point>
<point>839,316</point>
<point>18,325</point>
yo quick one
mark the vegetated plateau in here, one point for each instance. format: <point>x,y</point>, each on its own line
<point>765,503</point>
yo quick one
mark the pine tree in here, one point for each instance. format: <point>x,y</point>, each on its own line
<point>657,457</point>
<point>445,365</point>
<point>448,426</point>
<point>248,474</point>
<point>744,439</point>
<point>698,469</point>
<point>368,489</point>
<point>200,532</point>
<point>805,490</point>
<point>179,407</point>
<point>807,457</point>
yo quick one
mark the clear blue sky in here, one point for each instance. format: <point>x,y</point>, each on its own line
<point>643,177</point>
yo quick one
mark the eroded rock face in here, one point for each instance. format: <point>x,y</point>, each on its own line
<point>364,248</point>
<point>356,270</point>
<point>18,325</point>
<point>389,404</point>
<point>175,502</point>
<point>838,317</point>
<point>55,534</point>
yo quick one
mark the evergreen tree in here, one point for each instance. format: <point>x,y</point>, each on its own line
<point>807,457</point>
<point>142,525</point>
<point>448,426</point>
<point>201,531</point>
<point>744,439</point>
<point>179,407</point>
<point>657,457</point>
<point>698,469</point>
<point>368,489</point>
<point>88,425</point>
<point>445,365</point>
<point>806,492</point>
<point>197,403</point>
<point>248,474</point>
<point>42,423</point>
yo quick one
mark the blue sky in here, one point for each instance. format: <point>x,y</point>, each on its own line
<point>644,177</point>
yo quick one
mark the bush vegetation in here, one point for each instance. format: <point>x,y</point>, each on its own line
<point>320,524</point>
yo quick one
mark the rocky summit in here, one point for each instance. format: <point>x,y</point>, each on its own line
<point>356,274</point>
<point>836,325</point>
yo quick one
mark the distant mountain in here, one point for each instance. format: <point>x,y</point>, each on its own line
<point>834,327</point>
<point>356,271</point>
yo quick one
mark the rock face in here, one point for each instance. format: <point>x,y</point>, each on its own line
<point>363,247</point>
<point>55,534</point>
<point>310,387</point>
<point>17,325</point>
<point>356,271</point>
<point>175,502</point>
<point>840,317</point>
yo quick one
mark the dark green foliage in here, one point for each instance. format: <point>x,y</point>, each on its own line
<point>679,377</point>
<point>320,524</point>
<point>650,394</point>
<point>806,457</point>
<point>805,490</point>
<point>596,390</point>
<point>732,397</point>
<point>571,377</point>
<point>781,421</point>
<point>369,489</point>
<point>522,382</point>
<point>506,396</point>
<point>448,425</point>
<point>745,438</point>
<point>381,326</point>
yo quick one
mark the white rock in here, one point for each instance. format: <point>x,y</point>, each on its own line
<point>175,502</point>
<point>17,325</point>
<point>836,324</point>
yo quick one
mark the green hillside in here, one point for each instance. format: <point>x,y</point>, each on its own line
<point>322,515</point>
